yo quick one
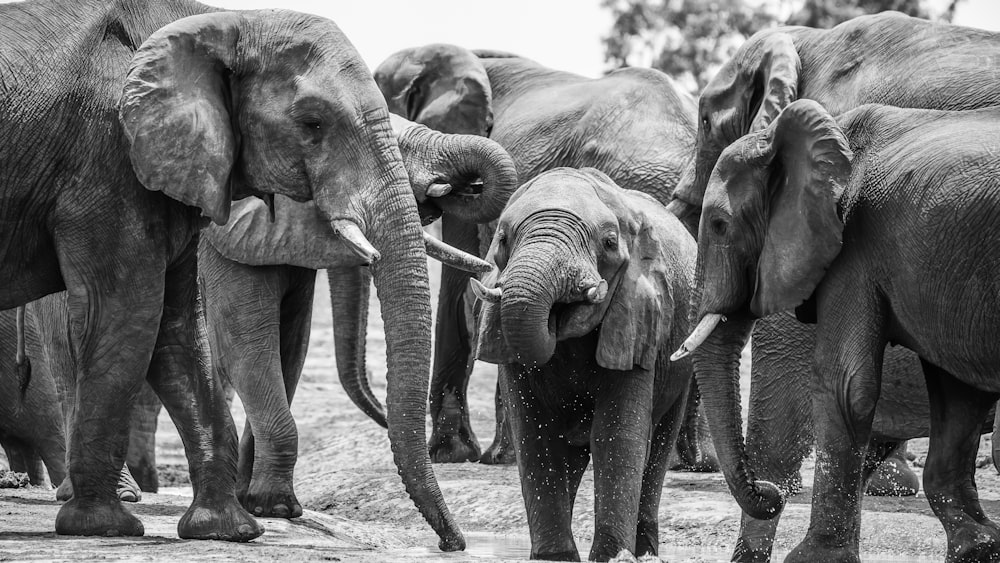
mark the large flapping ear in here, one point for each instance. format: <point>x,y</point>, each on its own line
<point>641,297</point>
<point>442,86</point>
<point>810,168</point>
<point>176,111</point>
<point>777,79</point>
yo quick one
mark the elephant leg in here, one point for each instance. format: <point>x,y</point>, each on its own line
<point>647,539</point>
<point>452,438</point>
<point>891,475</point>
<point>619,445</point>
<point>22,458</point>
<point>846,384</point>
<point>542,464</point>
<point>113,327</point>
<point>779,420</point>
<point>196,402</point>
<point>957,412</point>
<point>140,460</point>
<point>501,451</point>
<point>694,448</point>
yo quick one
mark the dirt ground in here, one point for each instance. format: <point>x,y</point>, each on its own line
<point>357,509</point>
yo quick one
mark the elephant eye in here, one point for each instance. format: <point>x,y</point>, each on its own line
<point>311,123</point>
<point>719,227</point>
<point>706,124</point>
<point>611,242</point>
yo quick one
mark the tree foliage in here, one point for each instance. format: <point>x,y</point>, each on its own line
<point>691,39</point>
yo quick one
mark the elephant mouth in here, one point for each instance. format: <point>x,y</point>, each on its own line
<point>571,320</point>
<point>464,189</point>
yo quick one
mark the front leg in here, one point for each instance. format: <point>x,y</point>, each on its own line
<point>196,401</point>
<point>619,443</point>
<point>544,464</point>
<point>452,438</point>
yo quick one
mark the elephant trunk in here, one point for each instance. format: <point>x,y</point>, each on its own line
<point>531,287</point>
<point>387,214</point>
<point>717,369</point>
<point>350,288</point>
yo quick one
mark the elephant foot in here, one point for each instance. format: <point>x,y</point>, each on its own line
<point>500,452</point>
<point>560,556</point>
<point>218,518</point>
<point>452,448</point>
<point>96,518</point>
<point>752,550</point>
<point>276,501</point>
<point>973,542</point>
<point>810,551</point>
<point>894,478</point>
<point>128,490</point>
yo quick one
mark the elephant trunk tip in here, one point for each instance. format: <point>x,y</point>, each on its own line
<point>452,542</point>
<point>770,501</point>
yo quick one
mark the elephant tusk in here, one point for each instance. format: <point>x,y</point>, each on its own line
<point>454,257</point>
<point>356,240</point>
<point>597,293</point>
<point>483,293</point>
<point>438,190</point>
<point>698,335</point>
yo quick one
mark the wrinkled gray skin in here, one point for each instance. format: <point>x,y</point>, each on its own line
<point>40,423</point>
<point>257,279</point>
<point>893,244</point>
<point>590,296</point>
<point>867,59</point>
<point>208,108</point>
<point>634,124</point>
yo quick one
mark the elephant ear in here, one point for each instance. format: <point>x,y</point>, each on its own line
<point>176,111</point>
<point>776,78</point>
<point>810,168</point>
<point>444,87</point>
<point>639,314</point>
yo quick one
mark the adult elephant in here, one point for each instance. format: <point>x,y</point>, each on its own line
<point>867,59</point>
<point>634,124</point>
<point>257,278</point>
<point>881,225</point>
<point>102,100</point>
<point>590,294</point>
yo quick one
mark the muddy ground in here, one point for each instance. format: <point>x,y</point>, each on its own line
<point>357,509</point>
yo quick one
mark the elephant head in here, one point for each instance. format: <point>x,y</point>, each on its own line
<point>575,252</point>
<point>446,88</point>
<point>745,96</point>
<point>769,230</point>
<point>224,105</point>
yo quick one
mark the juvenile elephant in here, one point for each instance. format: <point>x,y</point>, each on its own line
<point>634,124</point>
<point>883,226</point>
<point>589,297</point>
<point>869,59</point>
<point>103,99</point>
<point>257,278</point>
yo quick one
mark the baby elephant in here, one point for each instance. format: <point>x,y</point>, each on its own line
<point>588,299</point>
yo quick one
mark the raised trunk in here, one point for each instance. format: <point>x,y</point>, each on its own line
<point>717,369</point>
<point>389,218</point>
<point>530,288</point>
<point>349,291</point>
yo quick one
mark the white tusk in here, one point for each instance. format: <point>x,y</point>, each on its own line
<point>454,257</point>
<point>356,240</point>
<point>698,335</point>
<point>438,190</point>
<point>597,293</point>
<point>483,293</point>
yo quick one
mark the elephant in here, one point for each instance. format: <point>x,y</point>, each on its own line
<point>868,59</point>
<point>121,125</point>
<point>589,296</point>
<point>881,226</point>
<point>257,279</point>
<point>635,124</point>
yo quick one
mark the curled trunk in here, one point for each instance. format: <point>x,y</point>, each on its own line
<point>530,289</point>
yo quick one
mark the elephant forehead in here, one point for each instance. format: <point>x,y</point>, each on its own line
<point>575,194</point>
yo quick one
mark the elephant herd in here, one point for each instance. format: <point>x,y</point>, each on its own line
<point>611,244</point>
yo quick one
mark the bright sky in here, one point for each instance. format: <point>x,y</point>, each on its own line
<point>563,34</point>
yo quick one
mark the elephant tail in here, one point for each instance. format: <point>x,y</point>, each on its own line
<point>21,358</point>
